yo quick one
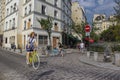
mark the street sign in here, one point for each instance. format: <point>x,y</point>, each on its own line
<point>87,28</point>
<point>87,33</point>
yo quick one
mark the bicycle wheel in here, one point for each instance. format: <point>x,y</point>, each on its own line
<point>35,61</point>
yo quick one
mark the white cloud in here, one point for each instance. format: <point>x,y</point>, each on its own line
<point>87,3</point>
<point>97,6</point>
<point>104,7</point>
<point>100,2</point>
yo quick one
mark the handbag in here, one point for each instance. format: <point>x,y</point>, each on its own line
<point>30,46</point>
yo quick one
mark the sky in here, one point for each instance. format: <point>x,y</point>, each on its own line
<point>97,7</point>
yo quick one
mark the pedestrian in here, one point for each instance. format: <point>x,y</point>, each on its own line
<point>82,46</point>
<point>60,49</point>
<point>78,46</point>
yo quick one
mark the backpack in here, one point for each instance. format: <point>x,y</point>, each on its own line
<point>30,46</point>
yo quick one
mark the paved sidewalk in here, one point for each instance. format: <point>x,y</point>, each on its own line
<point>82,58</point>
<point>17,51</point>
<point>90,61</point>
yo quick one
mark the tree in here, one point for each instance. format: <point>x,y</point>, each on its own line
<point>79,29</point>
<point>46,24</point>
<point>93,32</point>
<point>117,10</point>
<point>108,35</point>
<point>111,34</point>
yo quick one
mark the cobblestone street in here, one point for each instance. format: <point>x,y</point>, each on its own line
<point>13,67</point>
<point>70,68</point>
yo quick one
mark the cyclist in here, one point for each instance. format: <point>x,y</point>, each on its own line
<point>31,45</point>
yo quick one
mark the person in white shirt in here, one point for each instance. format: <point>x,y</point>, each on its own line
<point>82,46</point>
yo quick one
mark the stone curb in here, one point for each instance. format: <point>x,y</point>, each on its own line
<point>102,65</point>
<point>17,51</point>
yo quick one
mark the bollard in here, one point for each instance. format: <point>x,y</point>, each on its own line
<point>113,59</point>
<point>117,59</point>
<point>88,54</point>
<point>96,56</point>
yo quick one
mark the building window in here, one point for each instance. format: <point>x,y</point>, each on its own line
<point>56,2</point>
<point>55,13</point>
<point>7,11</point>
<point>13,27</point>
<point>25,11</point>
<point>43,0</point>
<point>30,8</point>
<point>26,1</point>
<point>6,40</point>
<point>14,8</point>
<point>6,25</point>
<point>11,9</point>
<point>43,9</point>
<point>10,24</point>
<point>64,8</point>
<point>24,25</point>
<point>29,23</point>
<point>43,40</point>
<point>56,26</point>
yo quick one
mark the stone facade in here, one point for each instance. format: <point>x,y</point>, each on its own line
<point>21,20</point>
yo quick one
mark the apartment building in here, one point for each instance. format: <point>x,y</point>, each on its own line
<point>101,22</point>
<point>21,20</point>
<point>2,19</point>
<point>13,23</point>
<point>78,16</point>
<point>78,13</point>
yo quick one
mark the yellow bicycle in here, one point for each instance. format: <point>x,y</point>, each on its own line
<point>34,59</point>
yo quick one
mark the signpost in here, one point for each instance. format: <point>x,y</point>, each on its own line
<point>87,28</point>
<point>87,31</point>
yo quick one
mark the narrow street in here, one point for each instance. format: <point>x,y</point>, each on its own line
<point>13,67</point>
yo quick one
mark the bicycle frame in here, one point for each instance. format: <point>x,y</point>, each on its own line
<point>32,55</point>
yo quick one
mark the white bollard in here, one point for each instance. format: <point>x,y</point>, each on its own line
<point>96,56</point>
<point>117,59</point>
<point>88,54</point>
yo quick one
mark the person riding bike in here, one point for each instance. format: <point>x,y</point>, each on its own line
<point>31,45</point>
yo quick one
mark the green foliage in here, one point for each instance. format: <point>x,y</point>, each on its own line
<point>46,24</point>
<point>79,29</point>
<point>111,34</point>
<point>116,48</point>
<point>117,9</point>
<point>96,48</point>
<point>93,34</point>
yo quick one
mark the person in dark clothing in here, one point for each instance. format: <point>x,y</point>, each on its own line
<point>60,48</point>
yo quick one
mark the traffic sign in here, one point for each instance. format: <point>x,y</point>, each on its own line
<point>87,33</point>
<point>87,28</point>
